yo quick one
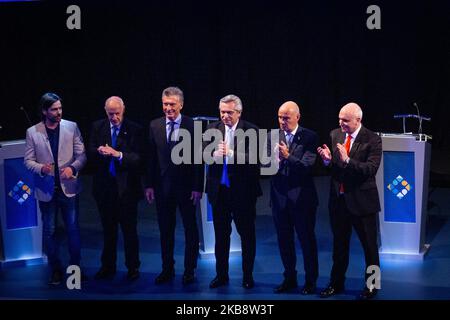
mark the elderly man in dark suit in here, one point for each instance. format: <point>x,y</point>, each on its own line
<point>232,189</point>
<point>354,159</point>
<point>115,149</point>
<point>174,186</point>
<point>294,198</point>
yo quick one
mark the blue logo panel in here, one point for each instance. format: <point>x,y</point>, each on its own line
<point>20,203</point>
<point>399,179</point>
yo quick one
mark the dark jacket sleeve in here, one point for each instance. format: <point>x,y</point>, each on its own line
<point>150,159</point>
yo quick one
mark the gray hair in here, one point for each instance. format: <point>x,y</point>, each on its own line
<point>232,98</point>
<point>173,91</point>
<point>115,99</point>
<point>354,108</point>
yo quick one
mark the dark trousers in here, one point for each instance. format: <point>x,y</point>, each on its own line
<point>243,214</point>
<point>118,211</point>
<point>166,206</point>
<point>366,229</point>
<point>301,220</point>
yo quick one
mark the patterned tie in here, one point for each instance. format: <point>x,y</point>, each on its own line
<point>112,165</point>
<point>170,140</point>
<point>289,137</point>
<point>224,179</point>
<point>347,149</point>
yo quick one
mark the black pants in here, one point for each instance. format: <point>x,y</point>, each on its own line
<point>115,211</point>
<point>166,205</point>
<point>302,220</point>
<point>366,229</point>
<point>243,214</point>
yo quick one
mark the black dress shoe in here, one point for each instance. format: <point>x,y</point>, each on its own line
<point>286,286</point>
<point>165,276</point>
<point>56,278</point>
<point>133,274</point>
<point>218,282</point>
<point>331,290</point>
<point>366,294</point>
<point>308,288</point>
<point>248,282</point>
<point>105,273</point>
<point>188,278</point>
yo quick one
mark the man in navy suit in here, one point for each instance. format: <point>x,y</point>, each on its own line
<point>232,189</point>
<point>294,198</point>
<point>354,159</point>
<point>115,149</point>
<point>174,186</point>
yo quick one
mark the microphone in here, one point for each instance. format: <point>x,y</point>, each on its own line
<point>418,117</point>
<point>26,115</point>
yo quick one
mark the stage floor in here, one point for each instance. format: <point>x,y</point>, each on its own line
<point>401,280</point>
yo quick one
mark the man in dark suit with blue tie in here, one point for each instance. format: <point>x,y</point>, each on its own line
<point>294,198</point>
<point>174,186</point>
<point>232,189</point>
<point>115,150</point>
<point>354,159</point>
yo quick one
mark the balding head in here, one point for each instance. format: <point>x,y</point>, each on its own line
<point>114,108</point>
<point>350,117</point>
<point>288,116</point>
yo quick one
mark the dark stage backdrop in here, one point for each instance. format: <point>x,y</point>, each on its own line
<point>317,53</point>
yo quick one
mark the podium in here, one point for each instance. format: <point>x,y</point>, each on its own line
<point>205,218</point>
<point>402,182</point>
<point>20,218</point>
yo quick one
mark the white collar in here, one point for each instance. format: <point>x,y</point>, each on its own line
<point>232,128</point>
<point>177,120</point>
<point>293,132</point>
<point>111,126</point>
<point>355,133</point>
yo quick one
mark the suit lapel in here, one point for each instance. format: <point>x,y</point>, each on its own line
<point>122,135</point>
<point>105,131</point>
<point>297,140</point>
<point>62,133</point>
<point>221,127</point>
<point>43,132</point>
<point>282,137</point>
<point>160,134</point>
<point>357,142</point>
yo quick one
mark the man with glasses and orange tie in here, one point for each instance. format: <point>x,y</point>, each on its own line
<point>354,159</point>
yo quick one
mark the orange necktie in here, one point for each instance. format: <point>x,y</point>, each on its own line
<point>347,149</point>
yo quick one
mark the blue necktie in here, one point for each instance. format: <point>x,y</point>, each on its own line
<point>112,165</point>
<point>289,137</point>
<point>170,140</point>
<point>224,179</point>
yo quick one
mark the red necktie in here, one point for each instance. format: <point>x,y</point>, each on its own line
<point>347,149</point>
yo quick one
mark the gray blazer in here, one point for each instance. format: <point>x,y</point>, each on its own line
<point>71,152</point>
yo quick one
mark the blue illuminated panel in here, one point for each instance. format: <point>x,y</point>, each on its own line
<point>399,180</point>
<point>20,203</point>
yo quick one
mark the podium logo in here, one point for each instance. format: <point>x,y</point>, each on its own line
<point>399,187</point>
<point>20,193</point>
